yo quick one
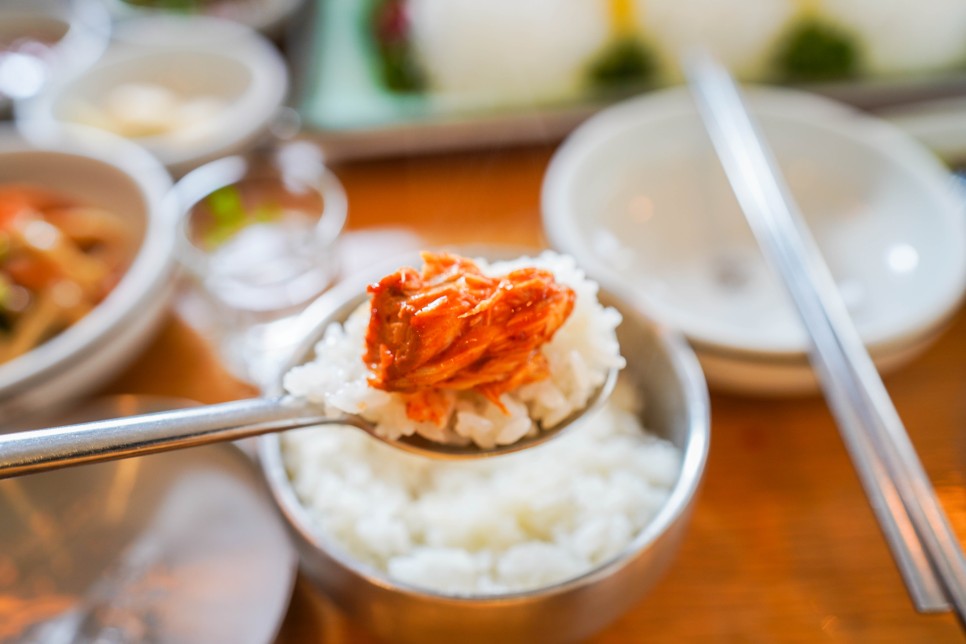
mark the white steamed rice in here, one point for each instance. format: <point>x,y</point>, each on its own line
<point>515,523</point>
<point>580,355</point>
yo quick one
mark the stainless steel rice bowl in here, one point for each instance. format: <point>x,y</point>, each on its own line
<point>665,371</point>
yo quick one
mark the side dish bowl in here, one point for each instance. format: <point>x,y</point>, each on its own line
<point>118,176</point>
<point>667,376</point>
<point>638,196</point>
<point>188,89</point>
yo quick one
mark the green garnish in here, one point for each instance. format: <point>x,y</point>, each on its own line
<point>230,215</point>
<point>399,67</point>
<point>623,61</point>
<point>817,51</point>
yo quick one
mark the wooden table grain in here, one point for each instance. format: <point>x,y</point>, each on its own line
<point>782,546</point>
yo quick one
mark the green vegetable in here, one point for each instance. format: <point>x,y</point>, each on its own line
<point>399,68</point>
<point>817,51</point>
<point>230,215</point>
<point>624,61</point>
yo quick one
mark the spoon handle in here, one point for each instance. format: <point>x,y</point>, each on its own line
<point>45,449</point>
<point>925,547</point>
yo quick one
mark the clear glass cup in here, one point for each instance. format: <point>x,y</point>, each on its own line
<point>258,235</point>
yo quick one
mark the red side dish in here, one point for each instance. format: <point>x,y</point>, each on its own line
<point>451,328</point>
<point>58,260</point>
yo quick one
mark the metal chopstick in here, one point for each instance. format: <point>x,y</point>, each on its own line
<point>924,545</point>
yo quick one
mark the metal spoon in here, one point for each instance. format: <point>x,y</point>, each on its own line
<point>45,449</point>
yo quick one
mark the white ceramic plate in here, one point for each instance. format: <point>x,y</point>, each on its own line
<point>638,196</point>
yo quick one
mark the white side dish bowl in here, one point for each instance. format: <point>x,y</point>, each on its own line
<point>107,172</point>
<point>638,196</point>
<point>189,89</point>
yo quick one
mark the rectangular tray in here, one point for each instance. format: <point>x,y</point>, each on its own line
<point>343,103</point>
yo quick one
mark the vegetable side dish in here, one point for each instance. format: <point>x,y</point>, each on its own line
<point>58,260</point>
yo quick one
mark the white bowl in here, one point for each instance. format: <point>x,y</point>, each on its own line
<point>80,31</point>
<point>114,174</point>
<point>638,196</point>
<point>193,56</point>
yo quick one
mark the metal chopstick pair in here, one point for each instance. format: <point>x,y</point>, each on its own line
<point>924,545</point>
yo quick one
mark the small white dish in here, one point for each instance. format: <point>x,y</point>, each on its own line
<point>111,173</point>
<point>225,82</point>
<point>638,196</point>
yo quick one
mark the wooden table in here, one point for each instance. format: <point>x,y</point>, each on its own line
<point>783,546</point>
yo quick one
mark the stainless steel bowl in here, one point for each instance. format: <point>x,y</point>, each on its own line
<point>676,407</point>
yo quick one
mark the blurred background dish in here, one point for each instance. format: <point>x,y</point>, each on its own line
<point>392,76</point>
<point>188,89</point>
<point>266,16</point>
<point>170,548</point>
<point>87,277</point>
<point>637,195</point>
<point>43,40</point>
<point>661,369</point>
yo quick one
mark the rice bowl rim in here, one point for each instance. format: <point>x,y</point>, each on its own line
<point>345,298</point>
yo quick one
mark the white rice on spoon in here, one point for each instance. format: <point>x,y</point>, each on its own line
<point>580,355</point>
